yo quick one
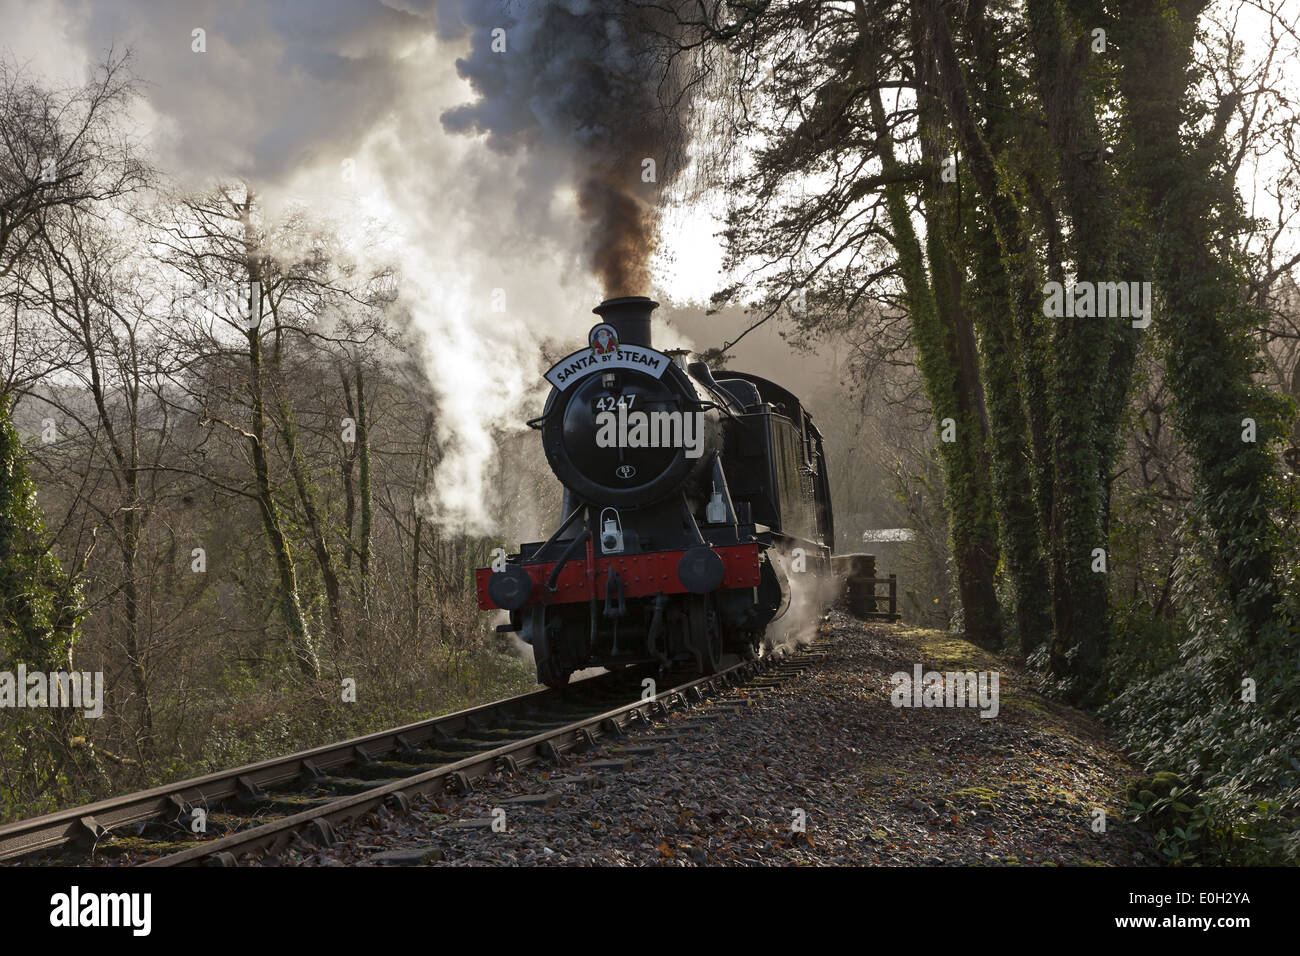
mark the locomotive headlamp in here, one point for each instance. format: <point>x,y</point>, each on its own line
<point>611,533</point>
<point>715,512</point>
<point>609,379</point>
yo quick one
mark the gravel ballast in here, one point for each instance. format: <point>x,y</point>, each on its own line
<point>822,770</point>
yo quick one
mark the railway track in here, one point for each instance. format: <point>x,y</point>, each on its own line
<point>260,808</point>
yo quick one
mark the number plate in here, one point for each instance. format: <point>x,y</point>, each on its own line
<point>610,403</point>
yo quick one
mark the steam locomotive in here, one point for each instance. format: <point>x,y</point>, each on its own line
<point>689,501</point>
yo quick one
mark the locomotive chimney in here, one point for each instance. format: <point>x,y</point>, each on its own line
<point>630,317</point>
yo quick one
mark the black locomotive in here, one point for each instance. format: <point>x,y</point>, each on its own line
<point>689,501</point>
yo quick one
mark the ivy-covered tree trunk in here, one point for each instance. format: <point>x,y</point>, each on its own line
<point>1205,323</point>
<point>39,605</point>
<point>347,466</point>
<point>305,487</point>
<point>300,638</point>
<point>954,398</point>
<point>307,495</point>
<point>1082,407</point>
<point>40,620</point>
<point>1007,379</point>
<point>1072,456</point>
<point>422,471</point>
<point>364,492</point>
<point>290,609</point>
<point>1013,235</point>
<point>1013,490</point>
<point>131,608</point>
<point>970,494</point>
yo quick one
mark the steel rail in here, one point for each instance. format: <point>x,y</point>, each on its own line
<point>577,735</point>
<point>25,837</point>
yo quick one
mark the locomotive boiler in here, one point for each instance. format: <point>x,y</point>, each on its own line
<point>689,502</point>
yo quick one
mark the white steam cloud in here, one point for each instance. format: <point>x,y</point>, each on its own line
<point>506,178</point>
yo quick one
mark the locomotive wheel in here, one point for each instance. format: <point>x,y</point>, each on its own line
<point>552,676</point>
<point>705,634</point>
<point>549,672</point>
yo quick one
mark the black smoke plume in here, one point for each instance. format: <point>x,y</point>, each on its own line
<point>593,91</point>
